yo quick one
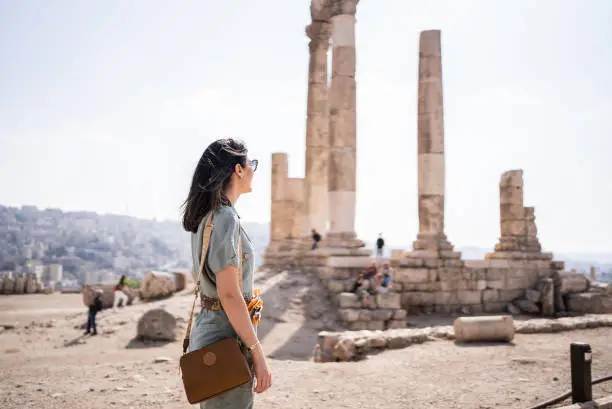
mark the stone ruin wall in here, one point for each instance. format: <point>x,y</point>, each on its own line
<point>287,211</point>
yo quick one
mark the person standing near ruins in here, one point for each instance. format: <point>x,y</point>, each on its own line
<point>316,238</point>
<point>222,174</point>
<point>94,308</point>
<point>380,244</point>
<point>120,297</point>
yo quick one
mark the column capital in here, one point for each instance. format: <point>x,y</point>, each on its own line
<point>320,10</point>
<point>340,7</point>
<point>319,33</point>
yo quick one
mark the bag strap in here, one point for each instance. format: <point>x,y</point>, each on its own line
<point>205,243</point>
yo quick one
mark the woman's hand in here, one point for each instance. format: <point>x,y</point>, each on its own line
<point>262,373</point>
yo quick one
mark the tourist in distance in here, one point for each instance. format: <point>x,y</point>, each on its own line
<point>222,175</point>
<point>316,238</point>
<point>94,308</point>
<point>380,244</point>
<point>120,297</point>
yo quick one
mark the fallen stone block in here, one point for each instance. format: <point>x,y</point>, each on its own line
<point>589,303</point>
<point>527,306</point>
<point>156,285</point>
<point>484,329</point>
<point>574,283</point>
<point>157,325</point>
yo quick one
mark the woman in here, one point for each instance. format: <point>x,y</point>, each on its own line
<point>224,173</point>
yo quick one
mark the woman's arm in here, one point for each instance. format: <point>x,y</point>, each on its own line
<point>234,305</point>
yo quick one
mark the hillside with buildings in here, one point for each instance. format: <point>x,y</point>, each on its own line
<point>74,248</point>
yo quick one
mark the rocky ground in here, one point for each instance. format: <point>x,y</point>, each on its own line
<point>46,362</point>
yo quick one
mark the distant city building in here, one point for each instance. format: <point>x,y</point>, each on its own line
<point>55,272</point>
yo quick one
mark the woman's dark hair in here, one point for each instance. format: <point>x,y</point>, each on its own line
<point>210,180</point>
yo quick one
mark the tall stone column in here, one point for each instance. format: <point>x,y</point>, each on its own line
<point>316,200</point>
<point>431,171</point>
<point>342,127</point>
<point>280,174</point>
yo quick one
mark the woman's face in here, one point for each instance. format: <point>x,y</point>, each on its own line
<point>246,175</point>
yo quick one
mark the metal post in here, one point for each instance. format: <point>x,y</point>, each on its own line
<point>580,356</point>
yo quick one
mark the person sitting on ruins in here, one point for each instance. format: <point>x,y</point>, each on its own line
<point>364,285</point>
<point>383,279</point>
<point>120,297</point>
<point>94,308</point>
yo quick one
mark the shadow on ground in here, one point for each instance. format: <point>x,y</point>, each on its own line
<point>136,343</point>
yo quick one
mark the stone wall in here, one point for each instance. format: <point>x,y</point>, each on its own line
<point>467,286</point>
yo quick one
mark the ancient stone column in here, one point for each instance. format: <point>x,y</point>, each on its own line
<point>294,208</point>
<point>342,127</point>
<point>280,174</point>
<point>316,203</point>
<point>518,231</point>
<point>431,171</point>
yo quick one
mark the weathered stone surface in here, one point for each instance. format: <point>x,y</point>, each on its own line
<point>547,297</point>
<point>156,285</point>
<point>527,306</point>
<point>574,283</point>
<point>589,303</point>
<point>489,328</point>
<point>389,300</point>
<point>348,300</point>
<point>157,325</point>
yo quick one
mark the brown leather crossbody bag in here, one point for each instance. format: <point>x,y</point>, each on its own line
<point>220,366</point>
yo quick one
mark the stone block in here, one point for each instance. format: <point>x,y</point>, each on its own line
<point>532,295</point>
<point>395,324</point>
<point>494,307</point>
<point>431,262</point>
<point>349,314</point>
<point>412,275</point>
<point>574,283</point>
<point>357,325</point>
<point>411,262</point>
<point>376,325</point>
<point>527,306</point>
<point>510,295</point>
<point>447,298</point>
<point>335,286</point>
<point>381,314</point>
<point>496,274</point>
<point>359,262</point>
<point>429,287</point>
<point>484,329</point>
<point>590,303</point>
<point>449,262</point>
<point>496,285</point>
<point>389,300</point>
<point>469,297</point>
<point>399,315</point>
<point>490,295</point>
<point>347,300</point>
<point>416,298</point>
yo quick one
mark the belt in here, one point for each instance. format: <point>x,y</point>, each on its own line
<point>254,305</point>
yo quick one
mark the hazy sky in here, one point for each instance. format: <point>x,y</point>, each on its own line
<point>107,106</point>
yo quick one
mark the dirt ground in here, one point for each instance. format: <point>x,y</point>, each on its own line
<point>45,362</point>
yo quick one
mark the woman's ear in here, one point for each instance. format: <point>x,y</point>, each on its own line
<point>238,169</point>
